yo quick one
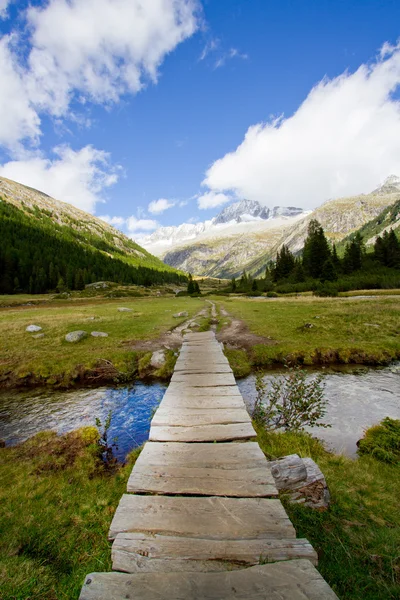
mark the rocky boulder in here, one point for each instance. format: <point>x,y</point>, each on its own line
<point>99,334</point>
<point>124,309</point>
<point>75,336</point>
<point>33,328</point>
<point>181,314</point>
<point>157,359</point>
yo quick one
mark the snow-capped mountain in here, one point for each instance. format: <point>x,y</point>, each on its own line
<point>248,214</point>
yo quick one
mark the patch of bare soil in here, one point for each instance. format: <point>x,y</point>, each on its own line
<point>236,335</point>
<point>171,340</point>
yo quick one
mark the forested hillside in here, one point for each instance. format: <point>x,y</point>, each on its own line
<point>38,253</point>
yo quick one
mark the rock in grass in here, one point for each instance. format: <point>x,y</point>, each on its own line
<point>181,314</point>
<point>38,336</point>
<point>33,328</point>
<point>124,309</point>
<point>99,334</point>
<point>158,359</point>
<point>75,336</point>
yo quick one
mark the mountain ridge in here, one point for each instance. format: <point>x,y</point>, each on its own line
<point>228,255</point>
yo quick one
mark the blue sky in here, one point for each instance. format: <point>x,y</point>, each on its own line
<point>112,120</point>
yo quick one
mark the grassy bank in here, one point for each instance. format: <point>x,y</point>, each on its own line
<point>57,503</point>
<point>51,360</point>
<point>318,331</point>
<point>358,538</point>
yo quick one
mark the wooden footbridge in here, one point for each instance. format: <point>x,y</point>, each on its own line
<point>202,518</point>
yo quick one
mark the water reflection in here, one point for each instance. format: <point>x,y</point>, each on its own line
<point>22,414</point>
<point>356,401</point>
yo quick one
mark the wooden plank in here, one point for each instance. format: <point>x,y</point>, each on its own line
<point>229,456</point>
<point>202,470</point>
<point>202,433</point>
<point>223,379</point>
<point>211,517</point>
<point>188,418</point>
<point>200,367</point>
<point>182,388</point>
<point>202,402</point>
<point>141,553</point>
<point>288,580</point>
<point>249,483</point>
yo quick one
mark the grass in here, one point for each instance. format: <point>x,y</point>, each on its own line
<point>358,537</point>
<point>57,504</point>
<point>52,360</point>
<point>319,331</point>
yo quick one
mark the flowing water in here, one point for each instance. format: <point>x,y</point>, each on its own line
<point>22,414</point>
<point>356,400</point>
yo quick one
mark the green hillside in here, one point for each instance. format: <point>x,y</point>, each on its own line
<point>46,244</point>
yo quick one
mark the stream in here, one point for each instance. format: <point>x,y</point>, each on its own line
<point>356,400</point>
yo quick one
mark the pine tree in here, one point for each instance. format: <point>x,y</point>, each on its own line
<point>328,271</point>
<point>233,284</point>
<point>285,263</point>
<point>254,285</point>
<point>316,250</point>
<point>190,287</point>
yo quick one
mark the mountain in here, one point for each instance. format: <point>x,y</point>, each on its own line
<point>229,221</point>
<point>43,240</point>
<point>226,253</point>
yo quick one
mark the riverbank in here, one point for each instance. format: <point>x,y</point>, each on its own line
<point>58,500</point>
<point>256,332</point>
<point>143,325</point>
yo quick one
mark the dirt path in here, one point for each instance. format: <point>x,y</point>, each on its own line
<point>236,335</point>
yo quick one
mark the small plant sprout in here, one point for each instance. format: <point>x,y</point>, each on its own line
<point>292,402</point>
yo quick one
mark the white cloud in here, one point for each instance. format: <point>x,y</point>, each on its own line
<point>212,200</point>
<point>93,50</point>
<point>209,47</point>
<point>78,177</point>
<point>133,224</point>
<point>344,139</point>
<point>232,53</point>
<point>117,221</point>
<point>19,119</point>
<point>3,8</point>
<point>159,206</point>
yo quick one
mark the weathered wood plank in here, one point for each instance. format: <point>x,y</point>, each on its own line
<point>249,483</point>
<point>214,380</point>
<point>231,469</point>
<point>288,580</point>
<point>141,553</point>
<point>171,417</point>
<point>210,517</point>
<point>200,367</point>
<point>202,433</point>
<point>227,456</point>
<point>183,388</point>
<point>202,402</point>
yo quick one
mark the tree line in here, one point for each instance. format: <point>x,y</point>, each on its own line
<point>318,267</point>
<point>36,260</point>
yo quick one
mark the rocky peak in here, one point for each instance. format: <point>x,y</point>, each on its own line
<point>241,211</point>
<point>391,185</point>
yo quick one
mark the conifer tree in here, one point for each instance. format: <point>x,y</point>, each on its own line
<point>316,250</point>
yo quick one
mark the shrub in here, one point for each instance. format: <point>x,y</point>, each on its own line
<point>326,289</point>
<point>292,402</point>
<point>382,441</point>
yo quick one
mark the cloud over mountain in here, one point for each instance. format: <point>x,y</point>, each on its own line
<point>345,137</point>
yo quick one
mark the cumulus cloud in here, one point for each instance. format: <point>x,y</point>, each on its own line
<point>344,139</point>
<point>78,177</point>
<point>212,200</point>
<point>94,50</point>
<point>117,221</point>
<point>3,8</point>
<point>133,224</point>
<point>159,206</point>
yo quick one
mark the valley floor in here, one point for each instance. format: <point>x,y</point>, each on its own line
<point>256,332</point>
